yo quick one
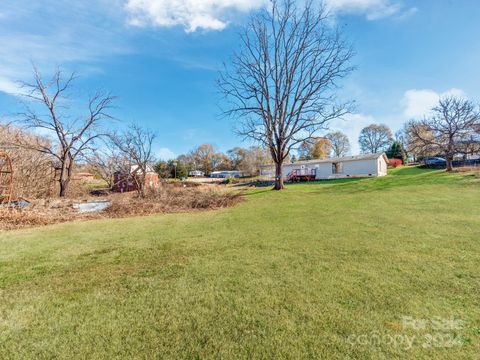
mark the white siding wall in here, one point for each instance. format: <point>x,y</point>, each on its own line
<point>355,168</point>
<point>324,170</point>
<point>360,168</point>
<point>382,166</point>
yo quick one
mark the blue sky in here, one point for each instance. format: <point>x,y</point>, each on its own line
<point>161,58</point>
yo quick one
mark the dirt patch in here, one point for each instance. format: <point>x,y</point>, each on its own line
<point>167,199</point>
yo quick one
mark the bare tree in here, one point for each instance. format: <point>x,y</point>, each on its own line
<point>237,156</point>
<point>248,161</point>
<point>375,138</point>
<point>108,160</point>
<point>281,83</point>
<point>136,144</point>
<point>304,149</point>
<point>220,162</point>
<point>452,123</point>
<point>71,138</point>
<point>204,157</point>
<point>314,148</point>
<point>339,142</point>
<point>414,147</point>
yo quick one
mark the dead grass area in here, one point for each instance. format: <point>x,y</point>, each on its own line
<point>473,170</point>
<point>173,199</point>
<point>167,199</point>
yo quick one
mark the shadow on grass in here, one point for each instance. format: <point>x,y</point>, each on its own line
<point>257,191</point>
<point>328,181</point>
<point>400,177</point>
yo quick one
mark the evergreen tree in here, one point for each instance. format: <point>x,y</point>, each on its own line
<point>396,151</point>
<point>180,170</point>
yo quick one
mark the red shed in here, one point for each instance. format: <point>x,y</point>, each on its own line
<point>395,162</point>
<point>127,182</point>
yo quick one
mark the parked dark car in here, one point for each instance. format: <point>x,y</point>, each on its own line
<point>436,161</point>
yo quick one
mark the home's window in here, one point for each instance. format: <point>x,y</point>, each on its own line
<point>337,168</point>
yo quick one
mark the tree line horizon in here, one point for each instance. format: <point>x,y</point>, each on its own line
<point>280,88</point>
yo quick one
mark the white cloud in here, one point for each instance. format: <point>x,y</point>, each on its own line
<point>8,86</point>
<point>190,14</point>
<point>216,14</point>
<point>372,9</point>
<point>165,154</point>
<point>419,102</point>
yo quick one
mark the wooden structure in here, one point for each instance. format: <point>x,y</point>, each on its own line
<point>123,182</point>
<point>298,175</point>
<point>6,178</point>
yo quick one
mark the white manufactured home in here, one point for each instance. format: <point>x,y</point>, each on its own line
<point>196,173</point>
<point>367,165</point>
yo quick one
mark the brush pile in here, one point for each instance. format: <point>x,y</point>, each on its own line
<point>167,199</point>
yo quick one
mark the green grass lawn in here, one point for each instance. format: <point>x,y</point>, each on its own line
<point>321,270</point>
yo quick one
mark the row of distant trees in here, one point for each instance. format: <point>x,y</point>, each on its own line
<point>334,144</point>
<point>207,159</point>
<point>451,128</point>
<point>280,89</point>
<point>373,139</point>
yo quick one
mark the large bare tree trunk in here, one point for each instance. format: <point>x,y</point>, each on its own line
<point>449,154</point>
<point>282,80</point>
<point>66,173</point>
<point>63,188</point>
<point>449,162</point>
<point>141,183</point>
<point>63,181</point>
<point>278,176</point>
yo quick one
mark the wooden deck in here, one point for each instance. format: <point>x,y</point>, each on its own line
<point>299,175</point>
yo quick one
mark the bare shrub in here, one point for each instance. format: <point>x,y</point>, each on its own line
<point>167,199</point>
<point>33,173</point>
<point>20,218</point>
<point>40,212</point>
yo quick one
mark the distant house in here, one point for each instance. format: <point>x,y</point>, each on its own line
<point>225,174</point>
<point>367,165</point>
<point>125,182</point>
<point>196,173</point>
